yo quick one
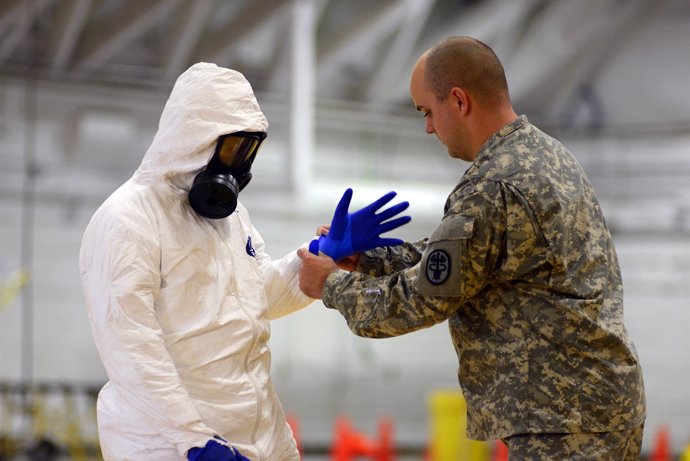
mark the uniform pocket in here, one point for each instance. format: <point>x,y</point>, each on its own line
<point>441,267</point>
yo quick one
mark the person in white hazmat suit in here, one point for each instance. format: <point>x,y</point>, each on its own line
<point>179,304</point>
<point>180,291</point>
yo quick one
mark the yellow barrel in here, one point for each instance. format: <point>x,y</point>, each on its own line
<point>449,440</point>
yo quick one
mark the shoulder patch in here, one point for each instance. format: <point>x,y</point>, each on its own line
<point>437,268</point>
<point>440,270</point>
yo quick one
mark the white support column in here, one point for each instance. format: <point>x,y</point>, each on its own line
<point>302,80</point>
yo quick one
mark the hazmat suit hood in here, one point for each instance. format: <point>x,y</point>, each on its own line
<point>205,103</point>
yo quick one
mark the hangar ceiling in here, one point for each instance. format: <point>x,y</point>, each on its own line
<point>362,49</point>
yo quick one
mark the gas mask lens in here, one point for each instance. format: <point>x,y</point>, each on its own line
<point>238,149</point>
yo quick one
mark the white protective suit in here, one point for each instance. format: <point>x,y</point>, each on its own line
<point>178,304</point>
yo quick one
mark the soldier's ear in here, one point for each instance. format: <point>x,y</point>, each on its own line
<point>460,100</point>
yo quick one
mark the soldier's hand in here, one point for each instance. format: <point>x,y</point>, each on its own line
<point>348,263</point>
<point>314,272</point>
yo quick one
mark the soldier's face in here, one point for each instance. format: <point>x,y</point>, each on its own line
<point>440,116</point>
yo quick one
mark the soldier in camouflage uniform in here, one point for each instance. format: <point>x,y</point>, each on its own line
<point>522,266</point>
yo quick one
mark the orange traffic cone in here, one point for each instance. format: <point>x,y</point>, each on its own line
<point>350,444</point>
<point>661,450</point>
<point>500,451</point>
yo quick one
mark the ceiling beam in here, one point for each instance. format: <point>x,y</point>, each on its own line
<point>394,62</point>
<point>219,45</point>
<point>282,55</point>
<point>69,22</point>
<point>375,27</point>
<point>23,16</point>
<point>484,20</point>
<point>188,29</point>
<point>10,12</point>
<point>133,19</point>
<point>568,46</point>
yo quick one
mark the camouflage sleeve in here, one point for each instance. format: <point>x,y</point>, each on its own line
<point>380,307</point>
<point>468,247</point>
<point>388,260</point>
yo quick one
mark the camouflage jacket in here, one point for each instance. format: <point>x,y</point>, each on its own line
<point>523,267</point>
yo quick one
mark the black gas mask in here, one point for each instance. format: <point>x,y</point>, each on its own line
<point>215,190</point>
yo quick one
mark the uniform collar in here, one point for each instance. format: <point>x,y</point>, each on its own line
<point>486,150</point>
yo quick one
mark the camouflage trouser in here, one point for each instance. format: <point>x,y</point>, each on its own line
<point>604,446</point>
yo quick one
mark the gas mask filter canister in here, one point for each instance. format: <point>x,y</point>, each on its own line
<point>216,188</point>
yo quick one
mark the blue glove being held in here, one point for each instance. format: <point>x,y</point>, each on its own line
<point>360,231</point>
<point>214,451</point>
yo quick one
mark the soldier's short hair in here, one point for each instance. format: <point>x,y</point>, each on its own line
<point>467,63</point>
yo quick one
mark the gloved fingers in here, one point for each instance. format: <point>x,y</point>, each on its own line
<point>392,224</point>
<point>392,211</point>
<point>212,451</point>
<point>344,203</point>
<point>193,454</point>
<point>388,242</point>
<point>314,245</point>
<point>340,216</point>
<point>381,201</point>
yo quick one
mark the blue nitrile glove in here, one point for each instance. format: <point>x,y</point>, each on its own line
<point>360,231</point>
<point>214,451</point>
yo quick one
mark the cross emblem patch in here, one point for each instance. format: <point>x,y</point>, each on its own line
<point>438,267</point>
